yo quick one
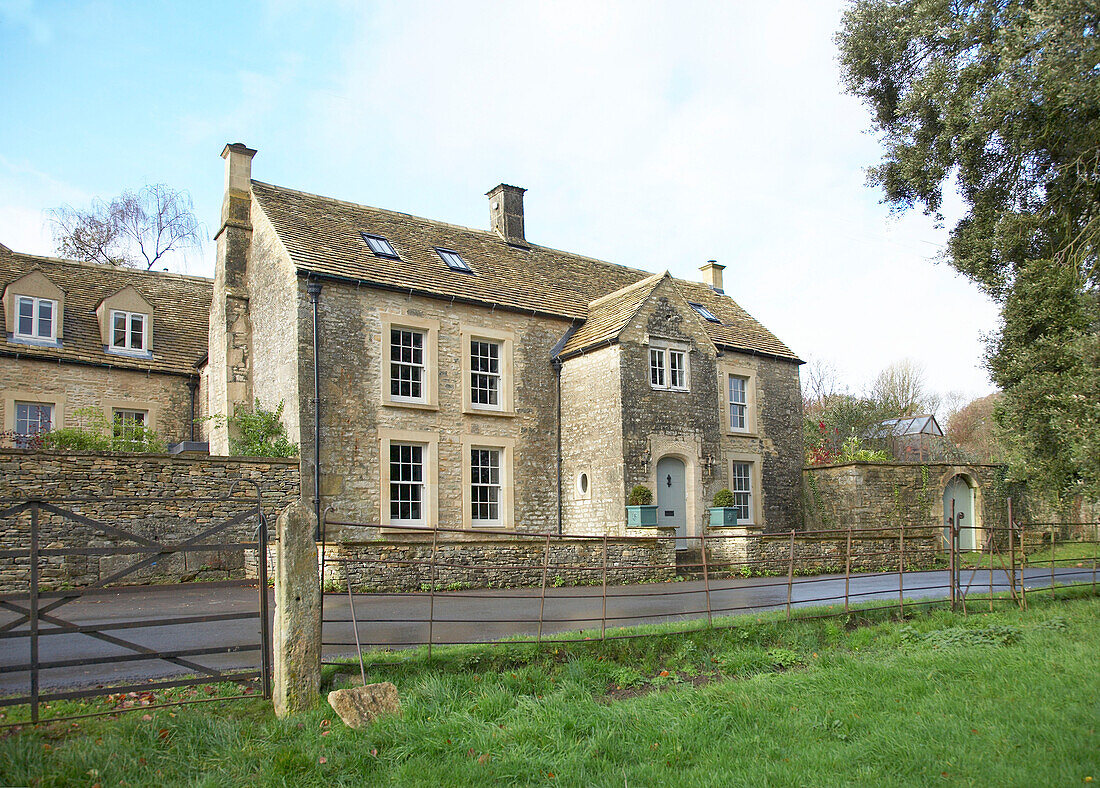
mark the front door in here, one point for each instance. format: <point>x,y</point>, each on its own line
<point>959,492</point>
<point>672,498</point>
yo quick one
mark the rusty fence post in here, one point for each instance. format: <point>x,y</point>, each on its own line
<point>33,615</point>
<point>790,575</point>
<point>431,594</point>
<point>1012,554</point>
<point>542,592</point>
<point>706,574</point>
<point>1023,564</point>
<point>1053,594</point>
<point>603,614</point>
<point>952,545</point>
<point>847,567</point>
<point>901,571</point>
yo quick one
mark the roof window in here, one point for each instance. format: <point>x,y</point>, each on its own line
<point>380,246</point>
<point>706,313</point>
<point>454,260</point>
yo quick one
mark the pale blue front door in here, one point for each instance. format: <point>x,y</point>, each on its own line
<point>671,497</point>
<point>958,492</point>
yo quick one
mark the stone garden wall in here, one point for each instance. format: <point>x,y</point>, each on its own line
<point>387,565</point>
<point>158,497</point>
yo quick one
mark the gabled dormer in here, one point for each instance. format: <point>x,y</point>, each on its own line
<point>126,323</point>
<point>34,309</point>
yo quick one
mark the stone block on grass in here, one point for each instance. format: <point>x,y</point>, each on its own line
<point>358,707</point>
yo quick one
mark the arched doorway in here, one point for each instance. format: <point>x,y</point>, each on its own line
<point>959,494</point>
<point>672,497</point>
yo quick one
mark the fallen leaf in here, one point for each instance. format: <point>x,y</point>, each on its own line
<point>663,673</point>
<point>322,759</point>
<point>146,717</point>
<point>484,758</point>
<point>374,753</point>
<point>163,734</point>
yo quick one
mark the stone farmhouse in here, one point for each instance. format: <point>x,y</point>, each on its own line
<point>77,335</point>
<point>464,378</point>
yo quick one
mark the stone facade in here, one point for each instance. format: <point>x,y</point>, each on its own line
<point>576,427</point>
<point>164,498</point>
<point>165,398</point>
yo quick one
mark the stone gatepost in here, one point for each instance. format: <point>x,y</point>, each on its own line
<point>297,632</point>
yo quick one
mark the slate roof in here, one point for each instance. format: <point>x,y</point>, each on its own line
<point>323,236</point>
<point>181,313</point>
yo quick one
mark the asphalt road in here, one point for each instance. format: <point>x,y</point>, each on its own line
<point>397,620</point>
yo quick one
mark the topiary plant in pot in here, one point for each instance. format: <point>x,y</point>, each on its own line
<point>724,512</point>
<point>640,511</point>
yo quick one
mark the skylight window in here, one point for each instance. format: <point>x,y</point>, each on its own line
<point>454,260</point>
<point>380,246</point>
<point>706,313</point>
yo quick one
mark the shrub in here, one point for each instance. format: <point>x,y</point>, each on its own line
<point>853,451</point>
<point>640,495</point>
<point>724,498</point>
<point>261,433</point>
<point>93,431</point>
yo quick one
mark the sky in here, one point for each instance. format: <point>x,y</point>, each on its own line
<point>657,135</point>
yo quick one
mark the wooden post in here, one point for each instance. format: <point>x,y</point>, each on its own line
<point>790,576</point>
<point>603,615</point>
<point>32,615</point>
<point>1011,553</point>
<point>542,592</point>
<point>847,568</point>
<point>901,572</point>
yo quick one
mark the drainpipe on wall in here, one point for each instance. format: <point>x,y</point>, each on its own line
<point>193,387</point>
<point>557,376</point>
<point>314,290</point>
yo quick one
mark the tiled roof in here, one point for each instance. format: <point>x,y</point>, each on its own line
<point>323,236</point>
<point>181,313</point>
<point>609,315</point>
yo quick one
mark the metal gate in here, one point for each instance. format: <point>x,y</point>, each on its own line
<point>58,618</point>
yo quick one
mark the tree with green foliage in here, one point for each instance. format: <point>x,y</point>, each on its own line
<point>1001,99</point>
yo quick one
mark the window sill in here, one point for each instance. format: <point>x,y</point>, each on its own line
<point>33,342</point>
<point>670,389</point>
<point>742,434</point>
<point>390,403</point>
<point>142,354</point>
<point>470,410</point>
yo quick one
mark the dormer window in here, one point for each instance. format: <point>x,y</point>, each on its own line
<point>128,331</point>
<point>36,319</point>
<point>454,260</point>
<point>380,246</point>
<point>705,313</point>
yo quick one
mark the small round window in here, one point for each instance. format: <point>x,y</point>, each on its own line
<point>582,483</point>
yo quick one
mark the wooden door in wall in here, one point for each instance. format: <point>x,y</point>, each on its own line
<point>671,498</point>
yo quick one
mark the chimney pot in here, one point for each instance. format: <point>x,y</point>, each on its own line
<point>712,275</point>
<point>506,213</point>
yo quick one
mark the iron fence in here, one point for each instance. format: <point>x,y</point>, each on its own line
<point>41,579</point>
<point>719,576</point>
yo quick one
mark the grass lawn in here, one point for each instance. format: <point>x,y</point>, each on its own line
<point>1004,698</point>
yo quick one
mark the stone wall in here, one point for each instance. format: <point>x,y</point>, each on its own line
<point>157,497</point>
<point>403,563</point>
<point>880,495</point>
<point>68,387</point>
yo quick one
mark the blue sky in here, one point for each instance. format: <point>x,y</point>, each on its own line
<point>656,135</point>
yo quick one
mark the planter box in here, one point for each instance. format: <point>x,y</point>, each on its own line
<point>723,516</point>
<point>641,516</point>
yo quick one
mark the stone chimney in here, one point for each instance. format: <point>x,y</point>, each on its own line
<point>230,338</point>
<point>506,213</point>
<point>712,275</point>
